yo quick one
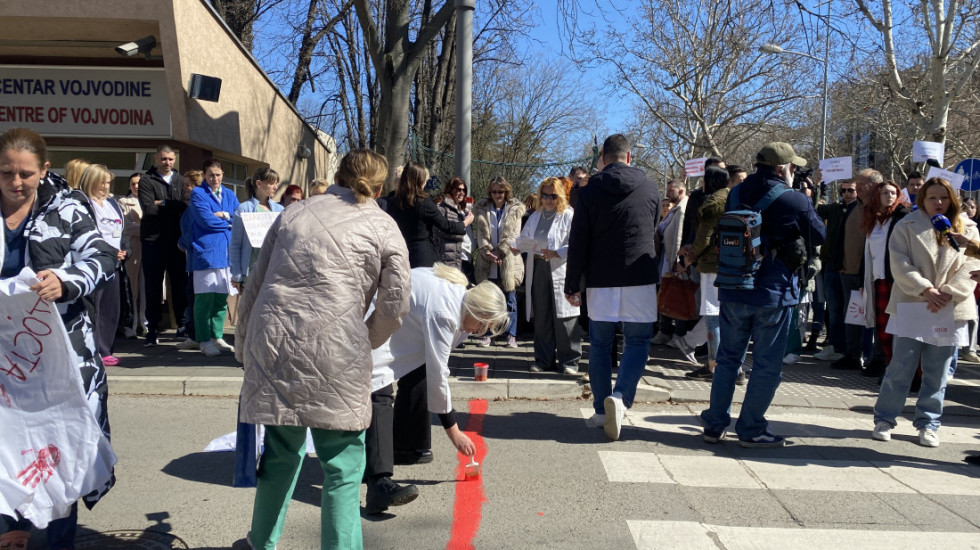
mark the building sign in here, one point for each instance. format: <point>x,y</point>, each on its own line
<point>85,101</point>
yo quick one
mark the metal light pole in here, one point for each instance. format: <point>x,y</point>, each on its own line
<point>464,88</point>
<point>775,49</point>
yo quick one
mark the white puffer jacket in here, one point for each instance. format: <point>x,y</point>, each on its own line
<point>301,331</point>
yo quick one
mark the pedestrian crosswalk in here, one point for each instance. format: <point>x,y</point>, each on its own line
<point>691,535</point>
<point>869,471</point>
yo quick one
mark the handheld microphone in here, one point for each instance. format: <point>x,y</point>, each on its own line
<point>941,223</point>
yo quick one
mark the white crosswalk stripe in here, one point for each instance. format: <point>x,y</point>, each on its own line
<point>796,475</point>
<point>689,535</point>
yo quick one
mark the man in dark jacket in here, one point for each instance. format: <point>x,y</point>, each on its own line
<point>161,196</point>
<point>763,313</point>
<point>611,243</point>
<point>832,260</point>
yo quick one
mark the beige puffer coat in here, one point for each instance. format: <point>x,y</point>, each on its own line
<point>512,268</point>
<point>301,330</point>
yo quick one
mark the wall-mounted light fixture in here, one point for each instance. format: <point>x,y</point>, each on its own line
<point>303,152</point>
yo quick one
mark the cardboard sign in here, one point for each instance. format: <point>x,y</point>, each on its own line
<point>694,168</point>
<point>925,150</point>
<point>257,224</point>
<point>954,179</point>
<point>839,168</point>
<point>52,451</point>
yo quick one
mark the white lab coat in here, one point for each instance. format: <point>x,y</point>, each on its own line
<point>558,241</point>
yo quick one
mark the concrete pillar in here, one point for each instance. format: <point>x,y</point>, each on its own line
<point>464,88</point>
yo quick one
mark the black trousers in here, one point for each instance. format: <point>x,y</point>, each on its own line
<point>161,258</point>
<point>106,316</point>
<point>399,422</point>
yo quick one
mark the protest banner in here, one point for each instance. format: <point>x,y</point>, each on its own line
<point>257,224</point>
<point>838,168</point>
<point>52,451</point>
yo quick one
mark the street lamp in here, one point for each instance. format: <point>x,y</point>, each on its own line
<point>775,49</point>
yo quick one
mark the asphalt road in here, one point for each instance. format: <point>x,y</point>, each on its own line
<point>550,482</point>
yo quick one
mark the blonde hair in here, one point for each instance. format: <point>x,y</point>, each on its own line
<point>318,187</point>
<point>485,302</point>
<point>362,171</point>
<point>195,176</point>
<point>952,213</point>
<point>93,175</point>
<point>499,181</point>
<point>559,189</point>
<point>73,172</point>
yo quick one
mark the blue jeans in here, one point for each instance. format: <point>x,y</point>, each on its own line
<point>768,329</point>
<point>636,349</point>
<point>906,356</point>
<point>834,296</point>
<point>512,311</point>
<point>713,323</point>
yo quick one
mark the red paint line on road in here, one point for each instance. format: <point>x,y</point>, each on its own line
<point>468,506</point>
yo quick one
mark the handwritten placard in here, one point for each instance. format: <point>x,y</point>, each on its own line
<point>838,168</point>
<point>257,224</point>
<point>695,167</point>
<point>925,150</point>
<point>954,179</point>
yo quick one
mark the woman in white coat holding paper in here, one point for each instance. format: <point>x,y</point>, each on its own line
<point>931,302</point>
<point>557,342</point>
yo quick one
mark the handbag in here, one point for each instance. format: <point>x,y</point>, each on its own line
<point>676,297</point>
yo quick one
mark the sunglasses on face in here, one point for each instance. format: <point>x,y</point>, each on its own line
<point>549,196</point>
<point>848,190</point>
<point>497,192</point>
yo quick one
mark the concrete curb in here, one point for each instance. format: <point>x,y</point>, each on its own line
<point>461,387</point>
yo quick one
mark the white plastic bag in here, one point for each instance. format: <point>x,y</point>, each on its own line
<point>52,451</point>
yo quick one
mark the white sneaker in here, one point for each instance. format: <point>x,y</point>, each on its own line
<point>791,359</point>
<point>222,345</point>
<point>596,421</point>
<point>614,416</point>
<point>660,339</point>
<point>511,342</point>
<point>882,432</point>
<point>485,342</point>
<point>571,371</point>
<point>188,343</point>
<point>828,354</point>
<point>210,349</point>
<point>928,438</point>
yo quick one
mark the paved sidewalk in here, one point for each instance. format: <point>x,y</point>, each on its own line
<point>165,370</point>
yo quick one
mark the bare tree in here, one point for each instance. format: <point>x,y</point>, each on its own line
<point>396,58</point>
<point>240,16</point>
<point>950,28</point>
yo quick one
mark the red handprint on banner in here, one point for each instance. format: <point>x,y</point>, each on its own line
<point>41,470</point>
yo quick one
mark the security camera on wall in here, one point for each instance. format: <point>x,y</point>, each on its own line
<point>143,45</point>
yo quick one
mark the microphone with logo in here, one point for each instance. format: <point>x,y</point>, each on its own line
<point>941,223</point>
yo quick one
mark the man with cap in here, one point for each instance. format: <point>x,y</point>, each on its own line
<point>789,226</point>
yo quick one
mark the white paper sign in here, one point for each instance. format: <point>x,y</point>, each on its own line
<point>52,451</point>
<point>695,167</point>
<point>838,168</point>
<point>257,224</point>
<point>855,309</point>
<point>529,245</point>
<point>914,320</point>
<point>925,150</point>
<point>954,179</point>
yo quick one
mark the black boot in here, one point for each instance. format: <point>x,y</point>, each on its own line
<point>382,492</point>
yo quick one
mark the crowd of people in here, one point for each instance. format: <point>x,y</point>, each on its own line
<point>352,294</point>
